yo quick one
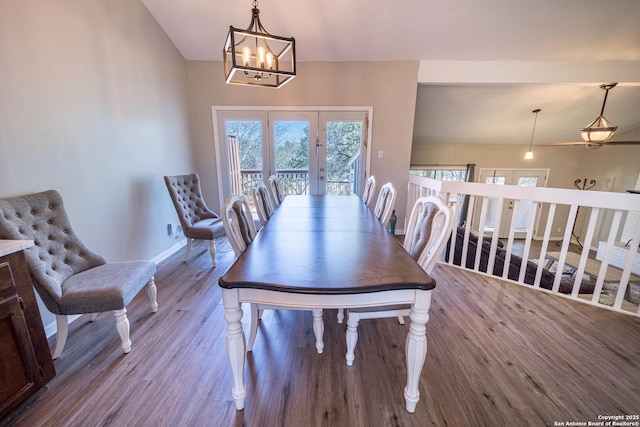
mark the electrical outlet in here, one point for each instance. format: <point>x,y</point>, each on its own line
<point>559,230</point>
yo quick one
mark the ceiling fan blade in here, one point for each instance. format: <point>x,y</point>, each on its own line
<point>621,143</point>
<point>556,144</point>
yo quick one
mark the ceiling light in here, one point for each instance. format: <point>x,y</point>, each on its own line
<point>529,154</point>
<point>600,129</point>
<point>255,57</point>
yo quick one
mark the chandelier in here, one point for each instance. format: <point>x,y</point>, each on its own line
<point>600,129</point>
<point>255,57</point>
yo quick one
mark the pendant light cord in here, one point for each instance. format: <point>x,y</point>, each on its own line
<point>537,110</point>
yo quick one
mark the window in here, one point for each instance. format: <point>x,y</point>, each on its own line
<point>451,173</point>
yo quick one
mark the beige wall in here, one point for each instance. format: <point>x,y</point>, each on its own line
<point>614,168</point>
<point>389,87</point>
<point>94,104</point>
<point>565,163</point>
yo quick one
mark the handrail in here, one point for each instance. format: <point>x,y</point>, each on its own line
<point>597,215</point>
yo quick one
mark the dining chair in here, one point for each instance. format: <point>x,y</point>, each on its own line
<point>262,201</point>
<point>198,222</point>
<point>238,223</point>
<point>369,190</point>
<point>277,193</point>
<point>70,278</point>
<point>385,203</point>
<point>241,230</point>
<point>383,210</point>
<point>427,233</point>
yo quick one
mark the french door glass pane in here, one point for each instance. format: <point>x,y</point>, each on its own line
<point>343,156</point>
<point>524,213</point>
<point>490,221</point>
<point>248,134</point>
<point>291,140</point>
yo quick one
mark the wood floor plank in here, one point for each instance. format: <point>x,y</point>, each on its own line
<point>498,354</point>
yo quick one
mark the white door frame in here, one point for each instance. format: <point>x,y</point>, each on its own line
<point>219,145</point>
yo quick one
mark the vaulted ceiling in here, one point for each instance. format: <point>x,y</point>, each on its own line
<point>583,42</point>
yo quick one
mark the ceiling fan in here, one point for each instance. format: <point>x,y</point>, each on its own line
<point>597,133</point>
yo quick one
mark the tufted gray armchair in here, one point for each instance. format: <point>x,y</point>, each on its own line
<point>197,221</point>
<point>68,276</point>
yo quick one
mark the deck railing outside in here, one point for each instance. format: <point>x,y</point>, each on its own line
<point>597,216</point>
<point>294,181</point>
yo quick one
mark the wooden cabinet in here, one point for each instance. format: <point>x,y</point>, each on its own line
<point>25,361</point>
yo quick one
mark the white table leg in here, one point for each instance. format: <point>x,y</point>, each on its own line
<point>416,347</point>
<point>318,328</point>
<point>235,342</point>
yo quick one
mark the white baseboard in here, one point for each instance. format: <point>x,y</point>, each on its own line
<point>166,254</point>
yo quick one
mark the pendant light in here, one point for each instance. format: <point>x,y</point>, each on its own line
<point>600,129</point>
<point>256,58</point>
<point>529,154</point>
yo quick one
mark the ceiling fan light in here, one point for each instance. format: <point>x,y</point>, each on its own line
<point>598,131</point>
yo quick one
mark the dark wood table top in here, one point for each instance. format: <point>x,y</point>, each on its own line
<point>325,245</point>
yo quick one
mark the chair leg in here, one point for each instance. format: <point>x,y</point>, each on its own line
<point>352,336</point>
<point>186,254</point>
<point>401,320</point>
<point>62,326</point>
<point>253,331</point>
<point>340,315</point>
<point>152,292</point>
<point>122,325</point>
<point>212,251</point>
<point>93,317</point>
<point>318,329</point>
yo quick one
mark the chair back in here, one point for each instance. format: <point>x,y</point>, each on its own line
<point>385,203</point>
<point>58,252</point>
<point>428,231</point>
<point>277,193</point>
<point>369,190</point>
<point>186,196</point>
<point>238,223</point>
<point>262,201</point>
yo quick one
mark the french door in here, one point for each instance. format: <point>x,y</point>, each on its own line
<point>311,152</point>
<point>521,178</point>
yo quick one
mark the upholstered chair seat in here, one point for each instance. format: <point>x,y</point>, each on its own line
<point>69,277</point>
<point>198,222</point>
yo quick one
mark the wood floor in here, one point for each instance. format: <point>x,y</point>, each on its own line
<point>499,355</point>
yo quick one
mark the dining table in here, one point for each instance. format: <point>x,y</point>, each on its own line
<point>326,252</point>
